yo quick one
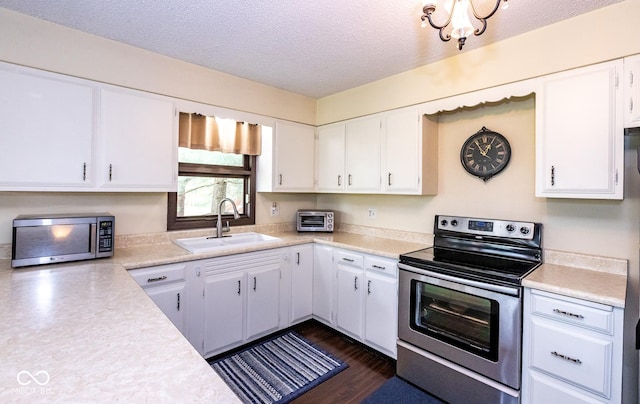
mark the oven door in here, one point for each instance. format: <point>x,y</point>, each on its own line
<point>469,323</point>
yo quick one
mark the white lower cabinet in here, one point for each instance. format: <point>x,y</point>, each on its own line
<point>301,272</point>
<point>350,297</point>
<point>572,350</point>
<point>381,304</point>
<point>367,299</point>
<point>224,307</point>
<point>323,283</point>
<point>222,303</point>
<point>166,286</point>
<point>241,295</point>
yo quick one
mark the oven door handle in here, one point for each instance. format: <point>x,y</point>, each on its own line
<point>487,286</point>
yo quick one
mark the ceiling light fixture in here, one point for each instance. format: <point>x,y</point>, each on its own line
<point>456,13</point>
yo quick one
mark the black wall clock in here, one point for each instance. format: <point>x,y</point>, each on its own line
<point>485,153</point>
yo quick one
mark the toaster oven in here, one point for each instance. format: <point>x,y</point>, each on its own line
<point>315,220</point>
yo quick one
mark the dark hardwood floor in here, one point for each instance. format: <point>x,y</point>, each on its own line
<point>367,369</point>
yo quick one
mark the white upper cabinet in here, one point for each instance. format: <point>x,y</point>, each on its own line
<point>362,165</point>
<point>409,153</point>
<point>579,134</point>
<point>138,148</point>
<point>631,84</point>
<point>66,134</point>
<point>287,161</point>
<point>331,154</point>
<point>349,156</point>
<point>48,128</point>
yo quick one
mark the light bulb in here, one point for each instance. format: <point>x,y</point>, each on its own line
<point>460,22</point>
<point>505,4</point>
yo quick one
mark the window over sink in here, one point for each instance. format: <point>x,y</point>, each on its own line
<point>205,177</point>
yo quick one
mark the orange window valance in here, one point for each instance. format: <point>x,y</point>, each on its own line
<point>210,133</point>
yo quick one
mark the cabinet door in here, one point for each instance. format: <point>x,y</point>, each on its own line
<point>381,313</point>
<point>401,150</point>
<point>263,298</point>
<point>349,299</point>
<point>301,282</point>
<point>138,142</point>
<point>363,154</point>
<point>579,135</point>
<point>47,131</point>
<point>323,283</point>
<point>171,299</point>
<point>223,311</point>
<point>294,157</point>
<point>331,154</point>
<point>631,84</point>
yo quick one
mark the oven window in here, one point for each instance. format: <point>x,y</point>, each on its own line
<point>466,321</point>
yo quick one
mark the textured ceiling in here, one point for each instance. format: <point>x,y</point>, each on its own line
<point>311,47</point>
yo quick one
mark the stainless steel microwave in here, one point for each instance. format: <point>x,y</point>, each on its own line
<point>315,220</point>
<point>48,239</point>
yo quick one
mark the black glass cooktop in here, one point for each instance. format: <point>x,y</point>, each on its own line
<point>481,267</point>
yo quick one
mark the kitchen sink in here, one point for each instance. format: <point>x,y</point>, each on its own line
<point>208,244</point>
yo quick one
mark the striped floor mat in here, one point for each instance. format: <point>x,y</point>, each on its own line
<point>278,370</point>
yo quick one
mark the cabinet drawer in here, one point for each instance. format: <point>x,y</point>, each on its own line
<point>351,259</point>
<point>545,389</point>
<point>579,357</point>
<point>381,265</point>
<point>158,275</point>
<point>594,316</point>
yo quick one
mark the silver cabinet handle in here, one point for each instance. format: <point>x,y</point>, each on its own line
<point>369,287</point>
<point>349,179</point>
<point>379,267</point>
<point>347,259</point>
<point>280,180</point>
<point>567,358</point>
<point>161,278</point>
<point>568,314</point>
<point>238,288</point>
<point>297,258</point>
<point>389,179</point>
<point>553,176</point>
<point>355,283</point>
<point>339,180</point>
<point>178,301</point>
<point>255,283</point>
<point>84,171</point>
<point>110,172</point>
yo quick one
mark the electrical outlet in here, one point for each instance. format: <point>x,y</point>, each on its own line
<point>371,214</point>
<point>275,210</point>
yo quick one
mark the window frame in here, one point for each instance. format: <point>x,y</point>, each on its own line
<point>248,171</point>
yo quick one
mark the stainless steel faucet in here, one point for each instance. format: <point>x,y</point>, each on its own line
<point>236,215</point>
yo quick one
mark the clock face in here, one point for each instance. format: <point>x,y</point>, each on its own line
<point>485,153</point>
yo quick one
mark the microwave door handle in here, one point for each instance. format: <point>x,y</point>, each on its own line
<point>92,241</point>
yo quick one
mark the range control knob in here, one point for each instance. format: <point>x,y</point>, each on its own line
<point>524,230</point>
<point>444,223</point>
<point>511,228</point>
<point>454,223</point>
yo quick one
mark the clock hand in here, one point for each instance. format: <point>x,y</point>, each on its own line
<point>483,152</point>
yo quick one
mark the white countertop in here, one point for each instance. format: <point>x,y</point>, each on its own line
<point>596,279</point>
<point>86,332</point>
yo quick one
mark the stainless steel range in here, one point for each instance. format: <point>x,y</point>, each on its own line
<point>460,309</point>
